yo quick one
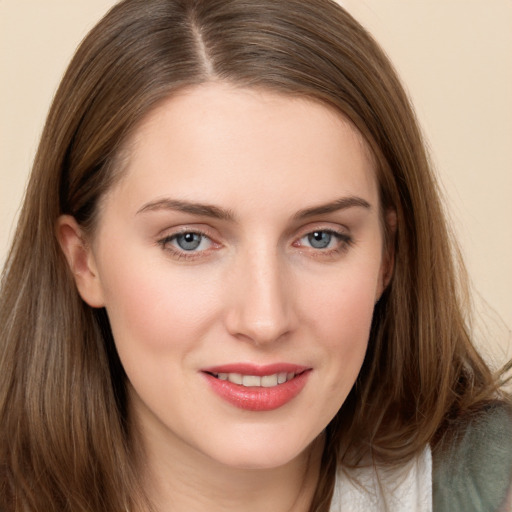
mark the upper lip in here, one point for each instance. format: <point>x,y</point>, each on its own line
<point>257,370</point>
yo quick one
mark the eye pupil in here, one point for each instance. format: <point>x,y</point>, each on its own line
<point>189,241</point>
<point>319,239</point>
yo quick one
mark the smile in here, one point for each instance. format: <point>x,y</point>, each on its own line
<point>257,388</point>
<point>265,381</point>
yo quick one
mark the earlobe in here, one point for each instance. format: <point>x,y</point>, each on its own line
<point>80,259</point>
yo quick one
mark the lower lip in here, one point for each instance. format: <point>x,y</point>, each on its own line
<point>258,398</point>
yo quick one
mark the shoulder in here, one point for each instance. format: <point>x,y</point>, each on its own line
<point>472,465</point>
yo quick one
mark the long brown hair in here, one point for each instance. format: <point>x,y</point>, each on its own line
<point>64,436</point>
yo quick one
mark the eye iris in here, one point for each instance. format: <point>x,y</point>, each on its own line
<point>319,239</point>
<point>188,241</point>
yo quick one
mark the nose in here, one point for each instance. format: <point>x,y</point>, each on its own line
<point>261,304</point>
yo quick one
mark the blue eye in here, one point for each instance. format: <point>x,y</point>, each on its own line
<point>325,241</point>
<point>188,241</point>
<point>320,239</point>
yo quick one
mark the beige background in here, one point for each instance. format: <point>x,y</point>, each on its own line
<point>455,57</point>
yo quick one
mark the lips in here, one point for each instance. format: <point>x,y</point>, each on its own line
<point>257,388</point>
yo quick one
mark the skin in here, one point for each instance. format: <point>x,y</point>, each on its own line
<point>255,290</point>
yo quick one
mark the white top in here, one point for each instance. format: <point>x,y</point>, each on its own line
<point>404,489</point>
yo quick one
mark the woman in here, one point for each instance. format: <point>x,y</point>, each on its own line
<point>232,284</point>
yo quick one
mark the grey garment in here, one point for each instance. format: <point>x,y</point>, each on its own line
<point>472,466</point>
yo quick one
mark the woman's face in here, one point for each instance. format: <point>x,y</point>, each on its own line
<point>239,259</point>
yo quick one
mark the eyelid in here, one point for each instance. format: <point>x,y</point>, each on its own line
<point>343,237</point>
<point>200,228</point>
<point>164,238</point>
<point>337,229</point>
<point>341,233</point>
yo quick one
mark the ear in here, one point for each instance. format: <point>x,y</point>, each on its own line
<point>80,259</point>
<point>388,255</point>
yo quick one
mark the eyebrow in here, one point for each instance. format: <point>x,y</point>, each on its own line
<point>342,203</point>
<point>208,210</point>
<point>204,210</point>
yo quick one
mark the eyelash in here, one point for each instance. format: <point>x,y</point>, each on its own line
<point>181,254</point>
<point>344,242</point>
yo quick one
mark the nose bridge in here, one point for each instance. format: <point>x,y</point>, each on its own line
<point>261,308</point>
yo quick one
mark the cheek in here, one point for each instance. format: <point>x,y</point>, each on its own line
<point>345,323</point>
<point>340,317</point>
<point>151,307</point>
<point>343,303</point>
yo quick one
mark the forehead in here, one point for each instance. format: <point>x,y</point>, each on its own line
<point>216,141</point>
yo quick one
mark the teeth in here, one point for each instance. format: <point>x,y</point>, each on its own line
<point>235,378</point>
<point>251,381</point>
<point>267,381</point>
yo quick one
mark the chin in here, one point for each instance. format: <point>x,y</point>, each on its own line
<point>260,455</point>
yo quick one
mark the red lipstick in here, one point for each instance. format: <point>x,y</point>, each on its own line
<point>257,388</point>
